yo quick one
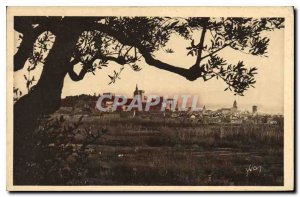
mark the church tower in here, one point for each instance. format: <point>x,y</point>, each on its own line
<point>138,92</point>
<point>234,107</point>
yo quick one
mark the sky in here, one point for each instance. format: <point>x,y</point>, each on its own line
<point>267,94</point>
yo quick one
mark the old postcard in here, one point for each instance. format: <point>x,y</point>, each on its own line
<point>150,98</point>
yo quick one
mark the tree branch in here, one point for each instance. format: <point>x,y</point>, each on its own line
<point>88,65</point>
<point>29,36</point>
<point>24,51</point>
<point>73,75</point>
<point>224,46</point>
<point>191,74</point>
<point>120,59</point>
<point>128,51</point>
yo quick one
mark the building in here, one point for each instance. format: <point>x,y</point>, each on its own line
<point>234,106</point>
<point>254,109</point>
<point>139,93</point>
<point>108,102</point>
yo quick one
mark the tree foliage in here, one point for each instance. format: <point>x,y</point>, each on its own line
<point>59,43</point>
<point>129,41</point>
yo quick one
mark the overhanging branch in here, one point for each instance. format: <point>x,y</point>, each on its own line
<point>191,74</point>
<point>77,77</point>
<point>88,65</point>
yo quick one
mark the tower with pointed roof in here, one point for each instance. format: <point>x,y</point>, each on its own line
<point>234,107</point>
<point>138,92</point>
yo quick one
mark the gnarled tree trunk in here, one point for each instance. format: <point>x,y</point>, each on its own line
<point>43,99</point>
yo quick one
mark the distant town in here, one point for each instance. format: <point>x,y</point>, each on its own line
<point>86,105</point>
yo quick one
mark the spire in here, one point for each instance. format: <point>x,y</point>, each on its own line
<point>235,104</point>
<point>136,90</point>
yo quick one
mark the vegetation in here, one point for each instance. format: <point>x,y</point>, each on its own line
<point>101,150</point>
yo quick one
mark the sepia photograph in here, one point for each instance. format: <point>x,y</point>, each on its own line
<point>150,98</point>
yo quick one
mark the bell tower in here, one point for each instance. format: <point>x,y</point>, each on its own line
<point>234,107</point>
<point>138,92</point>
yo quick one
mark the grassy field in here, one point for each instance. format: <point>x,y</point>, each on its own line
<point>165,151</point>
